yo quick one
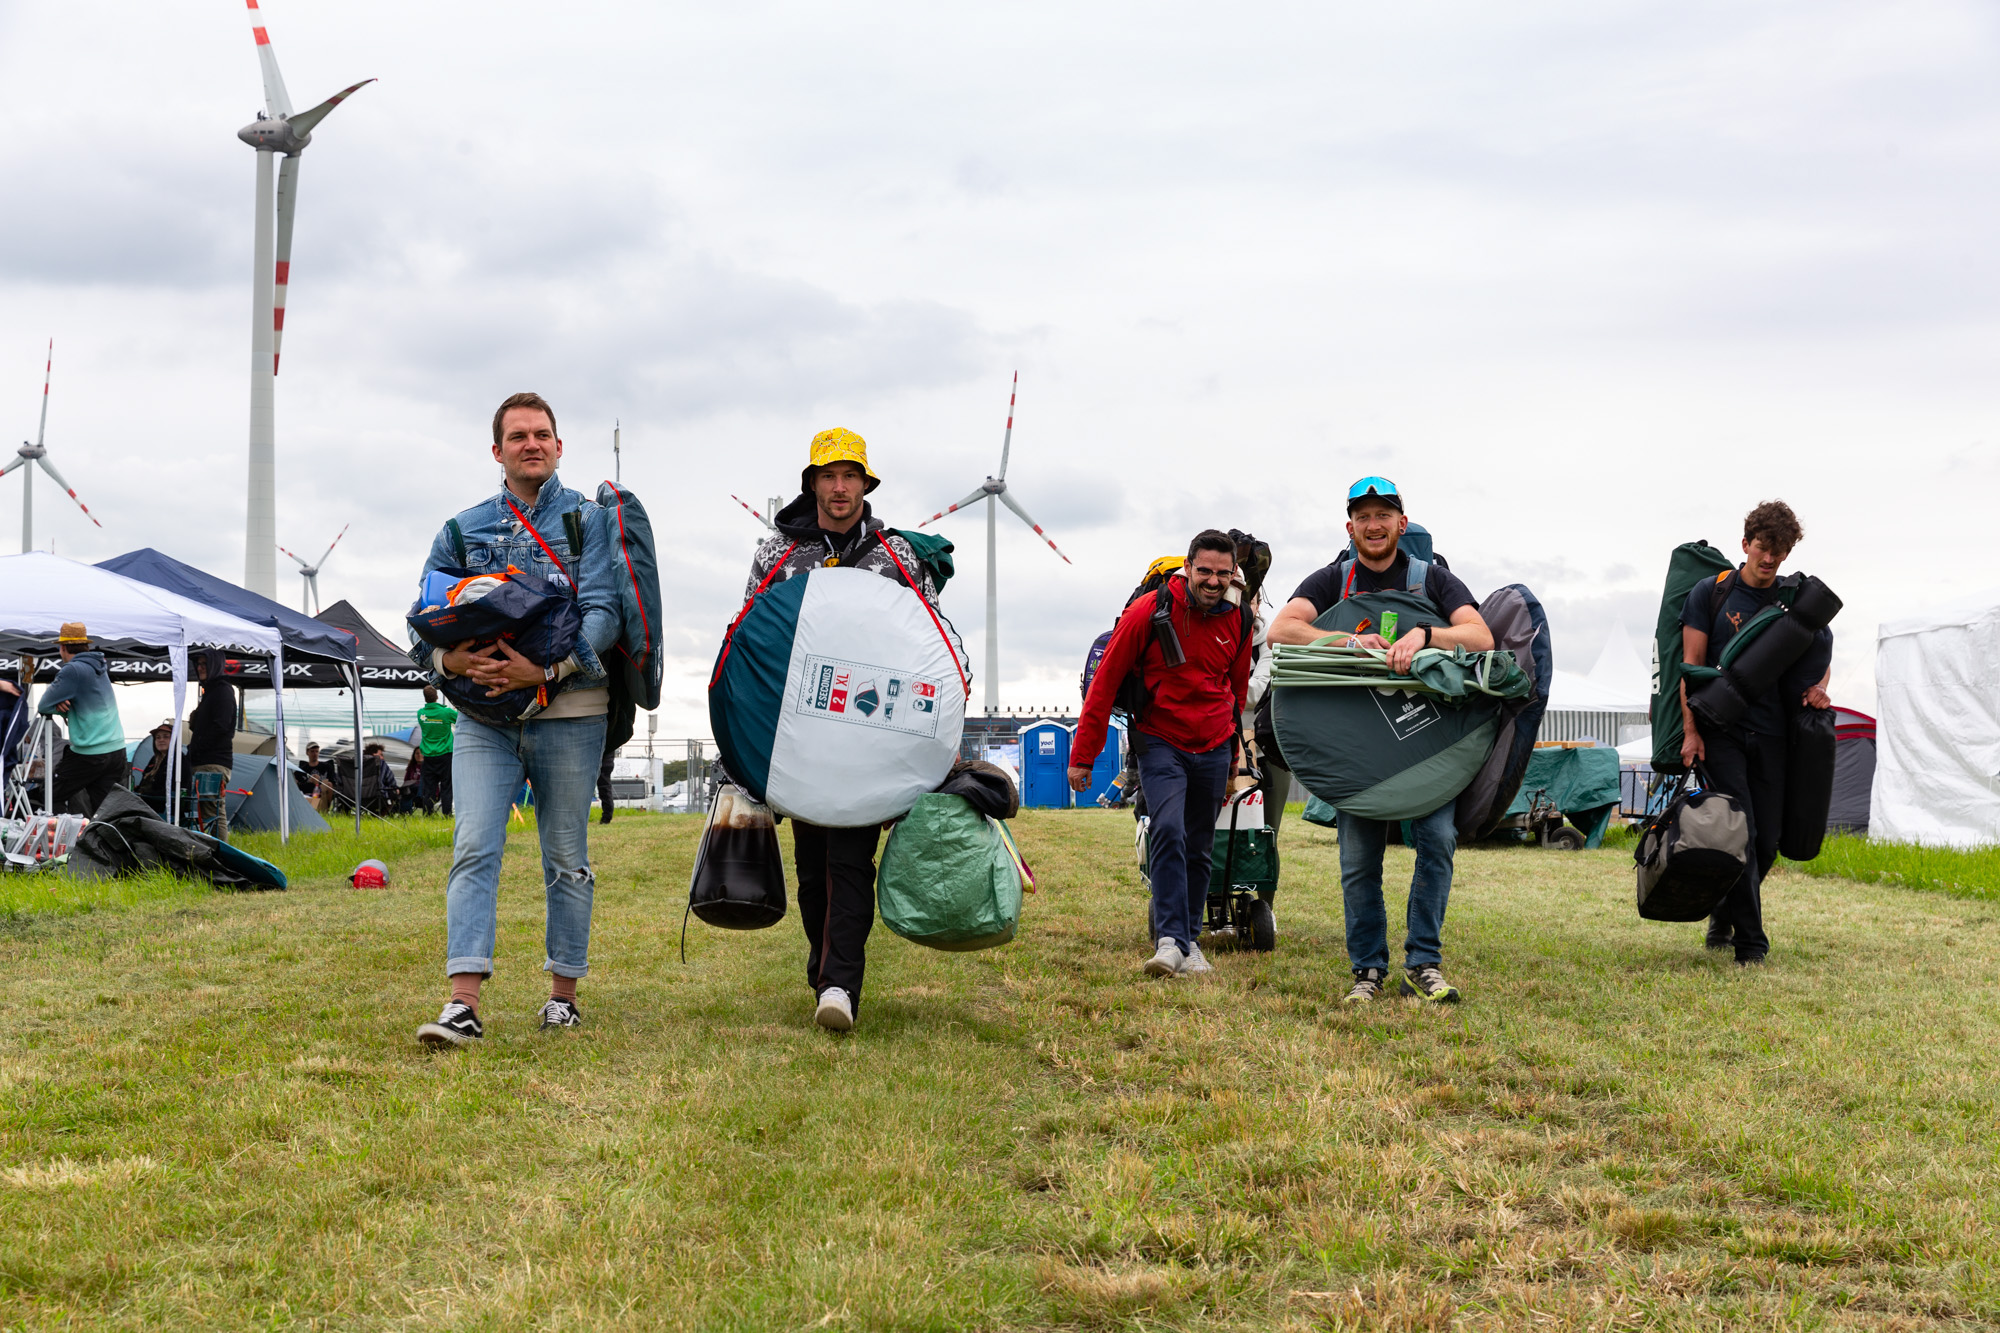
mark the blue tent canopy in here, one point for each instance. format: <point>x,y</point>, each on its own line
<point>309,639</point>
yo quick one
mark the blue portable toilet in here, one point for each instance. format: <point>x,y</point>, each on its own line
<point>1045,765</point>
<point>1110,763</point>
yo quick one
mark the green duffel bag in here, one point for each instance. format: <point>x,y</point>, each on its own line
<point>949,879</point>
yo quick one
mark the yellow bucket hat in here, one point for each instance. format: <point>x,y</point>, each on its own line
<point>838,445</point>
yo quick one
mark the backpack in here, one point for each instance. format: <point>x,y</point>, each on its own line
<point>1519,624</point>
<point>634,662</point>
<point>1133,698</point>
<point>949,878</point>
<point>1691,854</point>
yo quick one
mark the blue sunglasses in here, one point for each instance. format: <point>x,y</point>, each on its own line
<point>1373,486</point>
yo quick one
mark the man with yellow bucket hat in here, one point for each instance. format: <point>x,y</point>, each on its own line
<point>94,761</point>
<point>832,523</point>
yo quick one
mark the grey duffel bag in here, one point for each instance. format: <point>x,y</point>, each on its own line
<point>1690,855</point>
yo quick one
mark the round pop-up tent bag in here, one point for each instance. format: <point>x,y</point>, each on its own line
<point>838,698</point>
<point>1382,753</point>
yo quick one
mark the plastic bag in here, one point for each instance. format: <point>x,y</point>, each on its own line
<point>739,878</point>
<point>949,879</point>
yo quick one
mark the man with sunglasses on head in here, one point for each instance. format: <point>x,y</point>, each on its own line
<point>1375,526</point>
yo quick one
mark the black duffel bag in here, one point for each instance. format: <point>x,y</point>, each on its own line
<point>1809,755</point>
<point>1691,855</point>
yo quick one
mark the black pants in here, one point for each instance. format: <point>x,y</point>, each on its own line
<point>84,780</point>
<point>436,779</point>
<point>836,902</point>
<point>1751,768</point>
<point>604,786</point>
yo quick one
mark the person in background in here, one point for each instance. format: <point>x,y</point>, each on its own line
<point>158,759</point>
<point>310,771</point>
<point>408,793</point>
<point>1748,761</point>
<point>94,764</point>
<point>212,739</point>
<point>1375,525</point>
<point>832,523</point>
<point>523,524</point>
<point>378,780</point>
<point>1184,738</point>
<point>435,721</point>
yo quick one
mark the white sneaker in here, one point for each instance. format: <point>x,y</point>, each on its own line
<point>836,1011</point>
<point>1195,961</point>
<point>1167,960</point>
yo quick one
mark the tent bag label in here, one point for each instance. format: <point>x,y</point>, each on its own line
<point>869,696</point>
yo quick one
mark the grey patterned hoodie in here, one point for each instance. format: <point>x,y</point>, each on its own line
<point>798,546</point>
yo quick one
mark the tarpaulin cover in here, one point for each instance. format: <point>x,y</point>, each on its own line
<point>1581,782</point>
<point>948,880</point>
<point>1937,760</point>
<point>1382,753</point>
<point>839,698</point>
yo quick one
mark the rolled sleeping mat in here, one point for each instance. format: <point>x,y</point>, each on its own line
<point>1809,762</point>
<point>1762,661</point>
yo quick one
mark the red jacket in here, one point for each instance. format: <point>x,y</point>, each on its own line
<point>1196,704</point>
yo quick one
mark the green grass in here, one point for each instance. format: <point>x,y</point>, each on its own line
<point>215,1114</point>
<point>1973,873</point>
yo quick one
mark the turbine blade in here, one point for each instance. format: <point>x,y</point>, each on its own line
<point>20,460</point>
<point>979,494</point>
<point>329,547</point>
<point>305,120</point>
<point>288,200</point>
<point>277,101</point>
<point>50,469</point>
<point>1022,514</point>
<point>47,371</point>
<point>1007,440</point>
<point>754,514</point>
<point>302,564</point>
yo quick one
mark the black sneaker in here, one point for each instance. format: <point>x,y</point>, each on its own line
<point>1368,983</point>
<point>1721,935</point>
<point>457,1025</point>
<point>1750,960</point>
<point>1427,983</point>
<point>561,1014</point>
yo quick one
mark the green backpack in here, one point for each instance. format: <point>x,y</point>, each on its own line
<point>949,879</point>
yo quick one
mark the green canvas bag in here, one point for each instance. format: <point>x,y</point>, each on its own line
<point>949,879</point>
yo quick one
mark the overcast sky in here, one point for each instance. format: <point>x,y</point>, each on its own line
<point>1586,279</point>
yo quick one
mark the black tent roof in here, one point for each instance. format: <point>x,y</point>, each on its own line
<point>384,666</point>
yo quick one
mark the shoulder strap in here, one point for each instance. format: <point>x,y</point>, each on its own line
<point>964,680</point>
<point>573,529</point>
<point>457,540</point>
<point>729,635</point>
<point>543,543</point>
<point>1718,588</point>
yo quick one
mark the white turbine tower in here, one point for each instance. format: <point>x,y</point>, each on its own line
<point>276,130</point>
<point>309,575</point>
<point>35,453</point>
<point>995,488</point>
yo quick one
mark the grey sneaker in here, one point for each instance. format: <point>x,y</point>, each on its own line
<point>456,1025</point>
<point>1195,962</point>
<point>1368,983</point>
<point>561,1014</point>
<point>1427,983</point>
<point>836,1011</point>
<point>1167,960</point>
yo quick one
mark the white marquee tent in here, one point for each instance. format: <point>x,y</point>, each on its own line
<point>1613,699</point>
<point>1937,738</point>
<point>40,592</point>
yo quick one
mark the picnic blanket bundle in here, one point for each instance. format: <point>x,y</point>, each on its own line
<point>839,697</point>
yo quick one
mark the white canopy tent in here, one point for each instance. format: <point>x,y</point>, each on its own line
<point>1937,734</point>
<point>1616,696</point>
<point>40,592</point>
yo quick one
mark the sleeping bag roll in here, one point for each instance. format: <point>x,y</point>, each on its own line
<point>1382,753</point>
<point>839,698</point>
<point>1809,762</point>
<point>1756,665</point>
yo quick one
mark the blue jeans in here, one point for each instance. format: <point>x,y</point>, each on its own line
<point>487,765</point>
<point>1183,795</point>
<point>1435,836</point>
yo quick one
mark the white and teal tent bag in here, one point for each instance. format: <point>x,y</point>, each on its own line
<point>839,697</point>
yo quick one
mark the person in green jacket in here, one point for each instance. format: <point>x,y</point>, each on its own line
<point>436,720</point>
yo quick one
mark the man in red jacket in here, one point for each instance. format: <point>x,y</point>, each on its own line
<point>1194,664</point>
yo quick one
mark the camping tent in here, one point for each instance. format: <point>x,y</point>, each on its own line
<point>1609,704</point>
<point>39,592</point>
<point>255,784</point>
<point>1937,761</point>
<point>1853,771</point>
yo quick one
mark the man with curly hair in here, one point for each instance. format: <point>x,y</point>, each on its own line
<point>1747,761</point>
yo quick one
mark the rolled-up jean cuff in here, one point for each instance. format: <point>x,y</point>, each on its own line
<point>566,970</point>
<point>458,967</point>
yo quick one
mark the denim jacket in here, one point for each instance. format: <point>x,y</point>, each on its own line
<point>495,539</point>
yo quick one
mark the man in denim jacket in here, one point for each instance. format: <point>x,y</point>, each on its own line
<point>556,749</point>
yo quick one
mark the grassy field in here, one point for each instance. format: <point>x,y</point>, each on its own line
<point>1961,872</point>
<point>216,1115</point>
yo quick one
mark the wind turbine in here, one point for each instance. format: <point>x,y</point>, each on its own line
<point>309,575</point>
<point>769,519</point>
<point>995,488</point>
<point>276,130</point>
<point>36,453</point>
